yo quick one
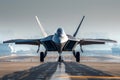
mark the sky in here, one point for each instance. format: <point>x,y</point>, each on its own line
<point>17,18</point>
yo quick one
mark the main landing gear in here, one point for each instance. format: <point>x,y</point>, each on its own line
<point>42,56</point>
<point>77,56</point>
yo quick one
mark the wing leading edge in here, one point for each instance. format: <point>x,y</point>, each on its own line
<point>24,41</point>
<point>95,41</point>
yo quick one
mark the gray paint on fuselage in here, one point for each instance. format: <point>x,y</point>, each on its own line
<point>66,46</point>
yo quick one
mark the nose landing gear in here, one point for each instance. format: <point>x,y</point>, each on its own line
<point>60,58</point>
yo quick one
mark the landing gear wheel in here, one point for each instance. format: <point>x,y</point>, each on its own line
<point>59,59</point>
<point>41,56</point>
<point>77,56</point>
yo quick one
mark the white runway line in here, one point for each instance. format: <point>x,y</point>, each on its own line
<point>60,71</point>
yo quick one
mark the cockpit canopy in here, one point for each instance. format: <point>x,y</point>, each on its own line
<point>60,36</point>
<point>60,32</point>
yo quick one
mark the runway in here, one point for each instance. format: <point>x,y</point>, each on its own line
<point>60,71</point>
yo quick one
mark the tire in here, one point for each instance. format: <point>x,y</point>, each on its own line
<point>59,59</point>
<point>77,56</point>
<point>41,56</point>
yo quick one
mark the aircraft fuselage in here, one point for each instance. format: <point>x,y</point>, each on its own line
<point>59,42</point>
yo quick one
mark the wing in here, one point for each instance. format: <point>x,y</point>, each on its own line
<point>95,41</point>
<point>24,41</point>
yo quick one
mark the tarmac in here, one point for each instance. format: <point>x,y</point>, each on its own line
<point>67,70</point>
<point>60,71</point>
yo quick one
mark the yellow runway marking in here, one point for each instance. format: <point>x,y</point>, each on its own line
<point>95,77</point>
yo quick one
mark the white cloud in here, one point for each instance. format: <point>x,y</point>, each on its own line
<point>4,49</point>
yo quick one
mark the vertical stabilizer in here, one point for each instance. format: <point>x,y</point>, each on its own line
<point>74,35</point>
<point>41,27</point>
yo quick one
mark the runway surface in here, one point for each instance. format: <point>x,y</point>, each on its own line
<point>60,71</point>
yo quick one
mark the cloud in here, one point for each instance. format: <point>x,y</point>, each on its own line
<point>4,49</point>
<point>30,52</point>
<point>8,49</point>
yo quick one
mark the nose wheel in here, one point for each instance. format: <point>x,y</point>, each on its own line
<point>60,59</point>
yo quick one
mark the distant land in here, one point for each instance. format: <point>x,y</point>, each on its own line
<point>5,50</point>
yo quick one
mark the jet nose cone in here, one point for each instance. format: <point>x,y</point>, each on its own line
<point>60,36</point>
<point>60,31</point>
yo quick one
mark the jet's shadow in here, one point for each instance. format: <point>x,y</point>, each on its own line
<point>41,72</point>
<point>76,69</point>
<point>45,72</point>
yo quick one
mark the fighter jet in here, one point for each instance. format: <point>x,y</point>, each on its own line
<point>59,42</point>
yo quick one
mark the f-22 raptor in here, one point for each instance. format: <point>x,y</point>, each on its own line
<point>59,42</point>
